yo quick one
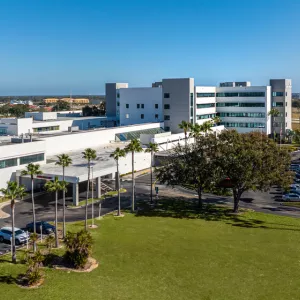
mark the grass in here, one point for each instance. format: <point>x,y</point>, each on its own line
<point>106,195</point>
<point>173,252</point>
<point>293,204</point>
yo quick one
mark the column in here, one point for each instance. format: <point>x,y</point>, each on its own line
<point>75,194</point>
<point>98,187</point>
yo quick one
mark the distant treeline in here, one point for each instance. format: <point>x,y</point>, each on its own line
<point>41,97</point>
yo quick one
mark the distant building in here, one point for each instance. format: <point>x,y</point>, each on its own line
<point>69,100</point>
<point>50,100</point>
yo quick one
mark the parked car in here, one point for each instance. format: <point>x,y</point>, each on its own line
<point>46,227</point>
<point>296,180</point>
<point>291,197</point>
<point>295,186</point>
<point>21,236</point>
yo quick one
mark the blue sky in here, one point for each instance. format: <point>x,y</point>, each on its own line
<point>59,46</point>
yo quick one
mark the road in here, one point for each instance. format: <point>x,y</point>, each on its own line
<point>267,202</point>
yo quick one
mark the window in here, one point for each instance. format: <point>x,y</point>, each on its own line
<point>252,94</point>
<point>156,116</point>
<point>127,116</point>
<point>206,105</point>
<point>277,104</point>
<point>43,129</point>
<point>3,131</point>
<point>118,103</point>
<point>127,105</point>
<point>166,95</point>
<point>137,106</point>
<point>227,94</point>
<point>191,99</point>
<point>167,106</point>
<point>167,128</point>
<point>142,116</point>
<point>6,163</point>
<point>207,116</point>
<point>244,125</point>
<point>191,113</point>
<point>241,104</point>
<point>118,95</point>
<point>142,106</point>
<point>285,103</point>
<point>277,94</point>
<point>156,106</point>
<point>242,115</point>
<point>31,158</point>
<point>286,114</point>
<point>167,118</point>
<point>203,95</point>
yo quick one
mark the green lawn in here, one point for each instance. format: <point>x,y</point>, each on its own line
<point>294,204</point>
<point>173,253</point>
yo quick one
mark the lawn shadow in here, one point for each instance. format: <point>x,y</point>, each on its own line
<point>183,208</point>
<point>8,279</point>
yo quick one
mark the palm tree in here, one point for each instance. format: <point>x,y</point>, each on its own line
<point>12,192</point>
<point>206,126</point>
<point>196,130</point>
<point>216,120</point>
<point>116,155</point>
<point>153,148</point>
<point>185,126</point>
<point>32,170</point>
<point>274,112</point>
<point>55,186</point>
<point>64,161</point>
<point>88,154</point>
<point>133,146</point>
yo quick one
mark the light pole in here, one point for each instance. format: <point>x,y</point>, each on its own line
<point>92,196</point>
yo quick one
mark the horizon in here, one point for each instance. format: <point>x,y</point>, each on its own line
<point>93,43</point>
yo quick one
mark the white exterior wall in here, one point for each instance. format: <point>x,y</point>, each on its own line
<point>80,140</point>
<point>204,100</point>
<point>133,96</point>
<point>17,126</point>
<point>41,116</point>
<point>266,100</point>
<point>63,125</point>
<point>17,150</point>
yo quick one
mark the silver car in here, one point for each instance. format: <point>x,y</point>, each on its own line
<point>21,236</point>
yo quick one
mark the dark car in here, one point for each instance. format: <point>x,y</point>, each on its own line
<point>46,227</point>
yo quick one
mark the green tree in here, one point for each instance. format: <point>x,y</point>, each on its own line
<point>196,131</point>
<point>274,112</point>
<point>206,126</point>
<point>61,106</point>
<point>117,154</point>
<point>64,161</point>
<point>152,148</point>
<point>192,165</point>
<point>216,120</point>
<point>185,126</point>
<point>12,192</point>
<point>133,146</point>
<point>252,162</point>
<point>55,186</point>
<point>32,170</point>
<point>88,154</point>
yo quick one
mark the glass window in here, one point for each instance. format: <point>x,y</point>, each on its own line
<point>156,106</point>
<point>167,118</point>
<point>285,103</point>
<point>118,95</point>
<point>277,94</point>
<point>3,131</point>
<point>227,94</point>
<point>252,94</point>
<point>142,106</point>
<point>167,128</point>
<point>6,163</point>
<point>142,116</point>
<point>207,116</point>
<point>43,129</point>
<point>127,105</point>
<point>31,158</point>
<point>137,106</point>
<point>203,95</point>
<point>243,115</point>
<point>206,105</point>
<point>244,125</point>
<point>167,106</point>
<point>277,104</point>
<point>127,116</point>
<point>240,104</point>
<point>156,116</point>
<point>166,95</point>
<point>192,99</point>
<point>191,113</point>
<point>118,103</point>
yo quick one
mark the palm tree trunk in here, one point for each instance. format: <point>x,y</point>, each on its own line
<point>33,213</point>
<point>13,241</point>
<point>87,198</point>
<point>133,183</point>
<point>64,204</point>
<point>151,172</point>
<point>56,235</point>
<point>185,138</point>
<point>119,195</point>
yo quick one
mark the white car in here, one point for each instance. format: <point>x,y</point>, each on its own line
<point>295,186</point>
<point>291,197</point>
<point>21,236</point>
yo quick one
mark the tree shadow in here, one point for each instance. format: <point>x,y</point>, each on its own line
<point>8,279</point>
<point>182,208</point>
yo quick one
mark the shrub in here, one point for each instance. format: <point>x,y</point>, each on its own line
<point>79,247</point>
<point>50,242</point>
<point>33,273</point>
